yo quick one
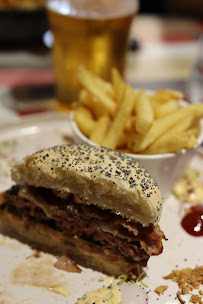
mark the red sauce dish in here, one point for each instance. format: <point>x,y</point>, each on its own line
<point>193,221</point>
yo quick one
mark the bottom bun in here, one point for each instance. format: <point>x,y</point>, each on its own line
<point>83,252</point>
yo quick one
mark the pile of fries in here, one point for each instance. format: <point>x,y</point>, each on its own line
<point>114,115</point>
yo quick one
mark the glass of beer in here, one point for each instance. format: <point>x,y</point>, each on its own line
<point>92,33</point>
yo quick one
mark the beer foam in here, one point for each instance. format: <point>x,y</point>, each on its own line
<point>92,9</point>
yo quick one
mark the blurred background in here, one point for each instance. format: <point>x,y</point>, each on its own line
<point>172,7</point>
<point>164,50</point>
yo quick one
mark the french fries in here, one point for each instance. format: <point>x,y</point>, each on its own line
<point>114,115</point>
<point>92,104</point>
<point>161,110</point>
<point>92,86</point>
<point>144,114</point>
<point>160,126</point>
<point>100,128</point>
<point>118,85</point>
<point>170,144</point>
<point>164,95</point>
<point>118,124</point>
<point>85,121</point>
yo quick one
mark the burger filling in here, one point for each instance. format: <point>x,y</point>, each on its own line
<point>64,213</point>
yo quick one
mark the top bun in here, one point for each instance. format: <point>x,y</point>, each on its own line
<point>97,175</point>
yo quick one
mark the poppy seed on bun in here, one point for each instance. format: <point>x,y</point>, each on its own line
<point>99,175</point>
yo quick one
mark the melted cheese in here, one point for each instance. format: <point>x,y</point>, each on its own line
<point>104,295</point>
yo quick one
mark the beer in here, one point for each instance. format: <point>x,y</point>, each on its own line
<point>96,40</point>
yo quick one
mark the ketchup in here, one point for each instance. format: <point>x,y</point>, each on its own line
<point>193,221</point>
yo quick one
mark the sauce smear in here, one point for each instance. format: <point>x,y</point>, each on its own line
<point>193,221</point>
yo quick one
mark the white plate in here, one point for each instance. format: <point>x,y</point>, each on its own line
<point>180,251</point>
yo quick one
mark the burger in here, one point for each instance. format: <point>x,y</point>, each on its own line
<point>96,205</point>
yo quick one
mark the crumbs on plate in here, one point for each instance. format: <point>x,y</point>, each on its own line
<point>187,280</point>
<point>161,289</point>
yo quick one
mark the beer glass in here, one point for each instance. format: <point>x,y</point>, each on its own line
<point>93,33</point>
